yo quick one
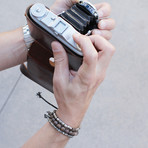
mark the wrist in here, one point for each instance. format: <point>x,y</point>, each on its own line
<point>72,113</point>
<point>71,118</point>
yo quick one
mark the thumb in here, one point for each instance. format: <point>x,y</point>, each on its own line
<point>61,70</point>
<point>69,3</point>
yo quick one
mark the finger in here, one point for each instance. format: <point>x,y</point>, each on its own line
<point>87,48</point>
<point>90,58</point>
<point>69,3</point>
<point>106,51</point>
<point>104,33</point>
<point>106,24</point>
<point>61,70</point>
<point>104,9</point>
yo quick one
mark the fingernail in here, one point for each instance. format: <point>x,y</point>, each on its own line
<point>56,49</point>
<point>102,24</point>
<point>100,13</point>
<point>97,32</point>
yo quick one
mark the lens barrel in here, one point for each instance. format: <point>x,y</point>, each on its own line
<point>82,16</point>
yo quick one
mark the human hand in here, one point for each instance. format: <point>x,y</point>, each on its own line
<point>105,24</point>
<point>74,90</point>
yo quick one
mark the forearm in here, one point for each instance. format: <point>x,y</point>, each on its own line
<point>12,49</point>
<point>47,137</point>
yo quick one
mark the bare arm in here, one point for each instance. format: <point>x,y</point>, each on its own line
<point>72,106</point>
<point>47,137</point>
<point>74,90</point>
<point>12,49</point>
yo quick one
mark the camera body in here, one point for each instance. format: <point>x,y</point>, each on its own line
<point>46,27</point>
<point>81,17</point>
<point>55,26</point>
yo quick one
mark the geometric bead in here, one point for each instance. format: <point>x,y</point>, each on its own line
<point>49,113</point>
<point>67,130</point>
<point>53,119</point>
<point>75,133</point>
<point>62,128</point>
<point>55,122</point>
<point>70,132</point>
<point>59,126</point>
<point>51,116</point>
<point>74,130</point>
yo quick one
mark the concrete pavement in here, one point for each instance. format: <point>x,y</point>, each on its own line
<point>118,114</point>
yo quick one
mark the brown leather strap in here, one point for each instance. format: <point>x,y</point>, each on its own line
<point>38,68</point>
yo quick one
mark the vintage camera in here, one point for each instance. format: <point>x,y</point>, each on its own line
<point>82,17</point>
<point>46,27</point>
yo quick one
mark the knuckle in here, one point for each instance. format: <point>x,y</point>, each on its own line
<point>107,5</point>
<point>87,85</point>
<point>107,8</point>
<point>113,23</point>
<point>56,80</point>
<point>84,37</point>
<point>111,49</point>
<point>58,60</point>
<point>108,35</point>
<point>94,56</point>
<point>98,37</point>
<point>91,59</point>
<point>101,78</point>
<point>86,80</point>
<point>57,83</point>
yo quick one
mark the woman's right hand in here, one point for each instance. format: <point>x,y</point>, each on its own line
<point>74,90</point>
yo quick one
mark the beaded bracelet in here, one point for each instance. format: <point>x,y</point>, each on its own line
<point>60,126</point>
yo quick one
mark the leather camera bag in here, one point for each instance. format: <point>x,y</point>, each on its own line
<point>38,67</point>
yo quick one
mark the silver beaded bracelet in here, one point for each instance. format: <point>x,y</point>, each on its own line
<point>60,126</point>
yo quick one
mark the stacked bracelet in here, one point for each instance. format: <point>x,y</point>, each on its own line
<point>27,37</point>
<point>60,126</point>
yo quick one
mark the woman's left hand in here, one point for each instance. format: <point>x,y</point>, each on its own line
<point>105,24</point>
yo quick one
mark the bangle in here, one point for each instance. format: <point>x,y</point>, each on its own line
<point>27,37</point>
<point>60,126</point>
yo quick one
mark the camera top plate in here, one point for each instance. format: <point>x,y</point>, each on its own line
<point>55,26</point>
<point>87,6</point>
